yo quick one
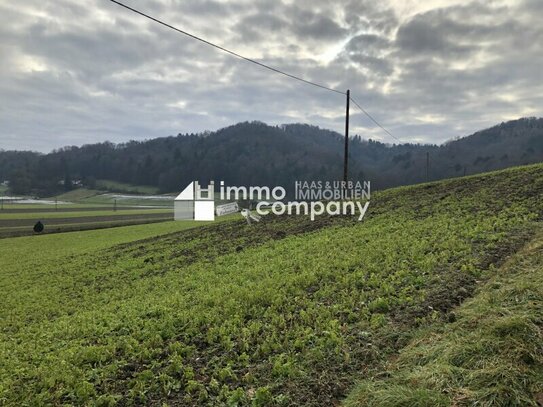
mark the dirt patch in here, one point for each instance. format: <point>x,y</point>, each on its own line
<point>224,238</point>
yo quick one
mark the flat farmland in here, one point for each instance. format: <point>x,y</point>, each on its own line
<point>19,221</point>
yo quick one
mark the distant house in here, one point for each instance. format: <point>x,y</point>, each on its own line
<point>5,183</point>
<point>73,183</point>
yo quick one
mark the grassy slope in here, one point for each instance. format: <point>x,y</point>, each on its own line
<point>76,195</point>
<point>23,256</point>
<point>17,257</point>
<point>90,197</point>
<point>491,354</point>
<point>284,312</point>
<point>127,188</point>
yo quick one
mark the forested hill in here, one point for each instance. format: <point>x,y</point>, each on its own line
<point>258,154</point>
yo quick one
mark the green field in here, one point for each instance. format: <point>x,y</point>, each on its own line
<point>83,197</point>
<point>84,209</point>
<point>76,243</point>
<point>109,199</point>
<point>19,219</point>
<point>77,195</point>
<point>489,355</point>
<point>40,206</point>
<point>116,186</point>
<point>36,214</point>
<point>91,197</point>
<point>288,311</point>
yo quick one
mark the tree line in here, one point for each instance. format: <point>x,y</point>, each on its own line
<point>254,153</point>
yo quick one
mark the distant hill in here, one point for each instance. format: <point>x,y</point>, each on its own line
<point>257,154</point>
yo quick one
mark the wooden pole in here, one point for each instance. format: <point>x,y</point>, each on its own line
<point>427,166</point>
<point>346,156</point>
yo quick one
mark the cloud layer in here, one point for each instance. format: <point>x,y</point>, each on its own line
<point>79,72</point>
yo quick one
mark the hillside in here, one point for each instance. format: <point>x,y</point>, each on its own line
<point>285,312</point>
<point>489,355</point>
<point>258,154</point>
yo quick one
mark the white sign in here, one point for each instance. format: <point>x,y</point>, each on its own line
<point>227,209</point>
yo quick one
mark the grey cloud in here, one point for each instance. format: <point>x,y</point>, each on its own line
<point>367,43</point>
<point>255,27</point>
<point>369,52</point>
<point>378,66</point>
<point>320,27</point>
<point>425,35</point>
<point>205,7</point>
<point>308,24</point>
<point>460,31</point>
<point>533,6</point>
<point>300,22</point>
<point>113,75</point>
<point>370,15</point>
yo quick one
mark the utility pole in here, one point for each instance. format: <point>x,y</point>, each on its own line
<point>115,205</point>
<point>346,157</point>
<point>427,166</point>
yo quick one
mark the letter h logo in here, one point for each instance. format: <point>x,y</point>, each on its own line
<point>195,203</point>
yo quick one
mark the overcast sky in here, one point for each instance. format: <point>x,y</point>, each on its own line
<point>74,72</point>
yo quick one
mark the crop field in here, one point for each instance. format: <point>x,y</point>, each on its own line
<point>71,213</point>
<point>18,220</point>
<point>288,312</point>
<point>125,199</point>
<point>99,197</point>
<point>128,188</point>
<point>490,354</point>
<point>94,197</point>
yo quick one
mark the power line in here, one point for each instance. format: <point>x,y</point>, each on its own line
<point>252,61</point>
<point>375,121</point>
<point>227,50</point>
